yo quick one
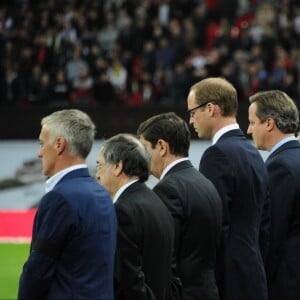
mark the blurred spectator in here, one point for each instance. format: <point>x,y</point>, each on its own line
<point>177,40</point>
<point>104,91</point>
<point>82,88</point>
<point>160,85</point>
<point>164,54</point>
<point>75,65</point>
<point>142,90</point>
<point>254,44</point>
<point>164,12</point>
<point>148,57</point>
<point>179,84</point>
<point>15,86</point>
<point>34,84</point>
<point>117,75</point>
<point>60,90</point>
<point>108,35</point>
<point>44,91</point>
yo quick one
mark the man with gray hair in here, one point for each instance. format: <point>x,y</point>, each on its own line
<point>74,233</point>
<point>143,267</point>
<point>273,122</point>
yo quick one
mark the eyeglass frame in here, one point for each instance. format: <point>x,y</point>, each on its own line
<point>191,112</point>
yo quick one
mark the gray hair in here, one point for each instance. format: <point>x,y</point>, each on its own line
<point>280,107</point>
<point>75,126</point>
<point>128,149</point>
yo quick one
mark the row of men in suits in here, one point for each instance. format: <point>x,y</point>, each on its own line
<point>178,221</point>
<point>197,235</point>
<point>258,257</point>
<point>251,227</point>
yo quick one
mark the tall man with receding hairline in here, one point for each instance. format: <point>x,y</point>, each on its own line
<point>237,170</point>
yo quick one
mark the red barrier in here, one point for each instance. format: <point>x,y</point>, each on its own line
<point>16,225</point>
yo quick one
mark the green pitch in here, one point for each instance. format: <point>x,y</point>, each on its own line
<point>12,258</point>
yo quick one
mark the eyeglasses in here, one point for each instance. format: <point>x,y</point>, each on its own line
<point>100,165</point>
<point>191,111</point>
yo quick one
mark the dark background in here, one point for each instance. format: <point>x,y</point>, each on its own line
<point>24,123</point>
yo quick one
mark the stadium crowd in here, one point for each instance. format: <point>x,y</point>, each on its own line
<point>88,52</point>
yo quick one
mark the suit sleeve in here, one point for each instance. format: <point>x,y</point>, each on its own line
<point>129,276</point>
<point>51,226</point>
<point>282,193</point>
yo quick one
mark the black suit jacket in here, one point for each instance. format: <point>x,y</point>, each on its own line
<point>239,174</point>
<point>283,267</point>
<point>196,208</point>
<point>143,268</point>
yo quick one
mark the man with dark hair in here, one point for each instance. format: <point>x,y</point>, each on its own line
<point>237,170</point>
<point>145,235</point>
<point>273,122</point>
<point>192,200</point>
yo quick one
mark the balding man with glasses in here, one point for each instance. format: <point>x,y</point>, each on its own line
<point>237,170</point>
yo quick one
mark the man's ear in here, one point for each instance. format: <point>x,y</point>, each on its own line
<point>213,109</point>
<point>60,145</point>
<point>118,168</point>
<point>163,147</point>
<point>270,123</point>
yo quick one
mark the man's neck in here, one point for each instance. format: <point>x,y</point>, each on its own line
<point>223,122</point>
<point>276,138</point>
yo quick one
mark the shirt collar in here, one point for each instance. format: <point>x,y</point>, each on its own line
<point>171,165</point>
<point>53,180</point>
<point>281,142</point>
<point>122,189</point>
<point>223,130</point>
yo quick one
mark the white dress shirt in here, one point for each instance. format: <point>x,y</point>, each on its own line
<point>53,180</point>
<point>223,130</point>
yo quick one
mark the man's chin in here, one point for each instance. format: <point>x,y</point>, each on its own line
<point>46,174</point>
<point>200,135</point>
<point>261,148</point>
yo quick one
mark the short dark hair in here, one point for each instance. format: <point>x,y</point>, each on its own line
<point>169,127</point>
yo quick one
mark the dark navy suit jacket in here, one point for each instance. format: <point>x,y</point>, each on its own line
<point>73,243</point>
<point>283,267</point>
<point>239,174</point>
<point>197,211</point>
